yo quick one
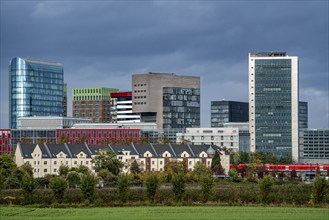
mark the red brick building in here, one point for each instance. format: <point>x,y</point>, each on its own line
<point>5,141</point>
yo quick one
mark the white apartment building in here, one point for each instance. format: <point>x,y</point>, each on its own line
<point>47,158</point>
<point>222,137</point>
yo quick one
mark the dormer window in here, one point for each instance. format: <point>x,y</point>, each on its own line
<point>166,155</point>
<point>81,155</point>
<point>147,155</point>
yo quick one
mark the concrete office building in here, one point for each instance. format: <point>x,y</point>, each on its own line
<point>169,100</point>
<point>223,137</point>
<point>123,106</point>
<point>273,103</point>
<point>94,103</point>
<point>65,101</point>
<point>35,89</point>
<point>314,146</point>
<point>228,111</point>
<point>303,115</point>
<point>244,135</point>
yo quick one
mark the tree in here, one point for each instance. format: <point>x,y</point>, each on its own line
<point>123,187</point>
<point>178,186</point>
<point>7,165</point>
<point>73,178</point>
<point>107,177</point>
<point>320,189</point>
<point>134,168</point>
<point>174,167</point>
<point>88,186</point>
<point>265,186</point>
<point>63,139</point>
<point>106,159</point>
<point>207,184</point>
<point>26,168</point>
<point>152,183</point>
<point>216,165</point>
<point>82,169</point>
<point>28,187</point>
<point>58,185</point>
<point>63,170</point>
<point>200,169</point>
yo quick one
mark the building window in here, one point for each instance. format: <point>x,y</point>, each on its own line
<point>160,162</point>
<point>55,162</point>
<point>153,162</point>
<point>45,163</point>
<point>75,162</point>
<point>55,170</point>
<point>45,170</point>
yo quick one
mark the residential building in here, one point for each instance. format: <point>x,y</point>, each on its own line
<point>123,106</point>
<point>273,103</point>
<point>223,137</point>
<point>47,158</point>
<point>167,99</point>
<point>244,135</point>
<point>303,115</point>
<point>35,89</point>
<point>314,146</point>
<point>5,141</point>
<point>228,111</point>
<point>94,103</point>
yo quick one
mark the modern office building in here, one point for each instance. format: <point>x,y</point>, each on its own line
<point>65,101</point>
<point>223,137</point>
<point>35,89</point>
<point>228,111</point>
<point>123,106</point>
<point>303,115</point>
<point>94,103</point>
<point>273,103</point>
<point>169,100</point>
<point>244,135</point>
<point>50,122</point>
<point>314,146</point>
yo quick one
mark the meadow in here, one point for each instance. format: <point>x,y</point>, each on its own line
<point>165,212</point>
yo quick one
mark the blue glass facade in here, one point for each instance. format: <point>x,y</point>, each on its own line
<point>36,89</point>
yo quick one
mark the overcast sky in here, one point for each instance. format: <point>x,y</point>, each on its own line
<point>101,43</point>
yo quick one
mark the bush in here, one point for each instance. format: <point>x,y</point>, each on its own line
<point>265,186</point>
<point>152,185</point>
<point>178,186</point>
<point>28,187</point>
<point>58,185</point>
<point>88,185</point>
<point>207,184</point>
<point>320,189</point>
<point>234,175</point>
<point>123,187</point>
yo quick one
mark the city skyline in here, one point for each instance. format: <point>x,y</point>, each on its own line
<point>104,44</point>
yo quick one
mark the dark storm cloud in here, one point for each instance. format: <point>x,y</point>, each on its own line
<point>102,43</point>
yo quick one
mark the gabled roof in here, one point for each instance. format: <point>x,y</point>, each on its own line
<point>180,148</point>
<point>197,149</point>
<point>96,148</point>
<point>78,148</point>
<point>119,148</point>
<point>142,148</point>
<point>27,150</point>
<point>161,148</point>
<point>56,149</point>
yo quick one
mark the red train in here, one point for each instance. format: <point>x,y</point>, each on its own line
<point>288,167</point>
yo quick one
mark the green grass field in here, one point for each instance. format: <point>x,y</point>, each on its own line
<point>184,212</point>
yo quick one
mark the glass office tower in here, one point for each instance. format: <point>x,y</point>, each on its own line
<point>273,98</point>
<point>35,89</point>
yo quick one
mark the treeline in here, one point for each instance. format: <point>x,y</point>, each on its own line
<point>176,185</point>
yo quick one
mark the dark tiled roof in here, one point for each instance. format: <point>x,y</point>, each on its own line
<point>119,148</point>
<point>27,150</point>
<point>161,148</point>
<point>78,148</point>
<point>142,148</point>
<point>56,149</point>
<point>96,148</point>
<point>180,148</point>
<point>197,149</point>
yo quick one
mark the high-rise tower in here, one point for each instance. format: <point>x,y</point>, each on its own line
<point>273,103</point>
<point>35,89</point>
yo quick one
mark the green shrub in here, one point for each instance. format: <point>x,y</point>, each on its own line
<point>265,186</point>
<point>28,187</point>
<point>152,184</point>
<point>88,185</point>
<point>320,189</point>
<point>123,187</point>
<point>207,184</point>
<point>178,186</point>
<point>58,185</point>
